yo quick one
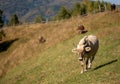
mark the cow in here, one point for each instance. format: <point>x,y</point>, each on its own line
<point>42,39</point>
<point>81,29</point>
<point>113,7</point>
<point>86,50</point>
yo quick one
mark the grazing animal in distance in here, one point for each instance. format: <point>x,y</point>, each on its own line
<point>86,49</point>
<point>113,7</point>
<point>42,39</point>
<point>81,29</point>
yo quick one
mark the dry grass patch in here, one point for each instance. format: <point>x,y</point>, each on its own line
<point>28,45</point>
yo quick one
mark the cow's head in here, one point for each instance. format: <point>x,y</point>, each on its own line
<point>82,49</point>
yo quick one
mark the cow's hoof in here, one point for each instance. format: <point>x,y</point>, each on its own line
<point>81,72</point>
<point>85,70</point>
<point>89,67</point>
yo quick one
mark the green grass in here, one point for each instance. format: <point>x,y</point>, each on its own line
<point>58,65</point>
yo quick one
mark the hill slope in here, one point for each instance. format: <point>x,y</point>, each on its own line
<point>27,10</point>
<point>53,62</point>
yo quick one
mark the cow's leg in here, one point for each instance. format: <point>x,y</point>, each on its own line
<point>90,62</point>
<point>82,65</point>
<point>87,62</point>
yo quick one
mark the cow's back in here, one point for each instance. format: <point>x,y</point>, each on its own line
<point>93,39</point>
<point>94,43</point>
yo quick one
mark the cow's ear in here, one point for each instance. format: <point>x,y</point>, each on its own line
<point>87,49</point>
<point>74,50</point>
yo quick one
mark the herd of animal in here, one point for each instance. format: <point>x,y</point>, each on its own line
<point>86,49</point>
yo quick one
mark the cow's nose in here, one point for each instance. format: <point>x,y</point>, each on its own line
<point>80,59</point>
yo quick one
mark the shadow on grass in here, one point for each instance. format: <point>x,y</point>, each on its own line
<point>110,62</point>
<point>5,45</point>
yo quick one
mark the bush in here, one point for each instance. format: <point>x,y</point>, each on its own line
<point>14,20</point>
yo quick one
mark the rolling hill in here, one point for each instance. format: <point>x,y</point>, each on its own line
<point>27,10</point>
<point>24,60</point>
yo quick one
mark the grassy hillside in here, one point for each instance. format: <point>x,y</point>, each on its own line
<point>53,62</point>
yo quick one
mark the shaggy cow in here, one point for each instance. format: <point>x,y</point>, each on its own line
<point>42,39</point>
<point>113,7</point>
<point>86,50</point>
<point>81,29</point>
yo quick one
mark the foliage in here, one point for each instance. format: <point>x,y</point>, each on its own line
<point>85,7</point>
<point>91,6</point>
<point>53,62</point>
<point>76,9</point>
<point>27,10</point>
<point>1,21</point>
<point>38,19</point>
<point>63,14</point>
<point>23,8</point>
<point>2,34</point>
<point>102,5</point>
<point>14,20</point>
<point>96,6</point>
<point>108,6</point>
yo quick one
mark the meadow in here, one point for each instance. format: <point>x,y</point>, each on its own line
<point>26,61</point>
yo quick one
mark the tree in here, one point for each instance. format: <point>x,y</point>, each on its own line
<point>97,6</point>
<point>63,13</point>
<point>2,34</point>
<point>14,20</point>
<point>83,9</point>
<point>38,19</point>
<point>1,21</point>
<point>108,6</point>
<point>76,9</point>
<point>102,5</point>
<point>91,6</point>
<point>84,6</point>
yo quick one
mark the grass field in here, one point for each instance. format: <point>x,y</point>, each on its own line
<point>54,63</point>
